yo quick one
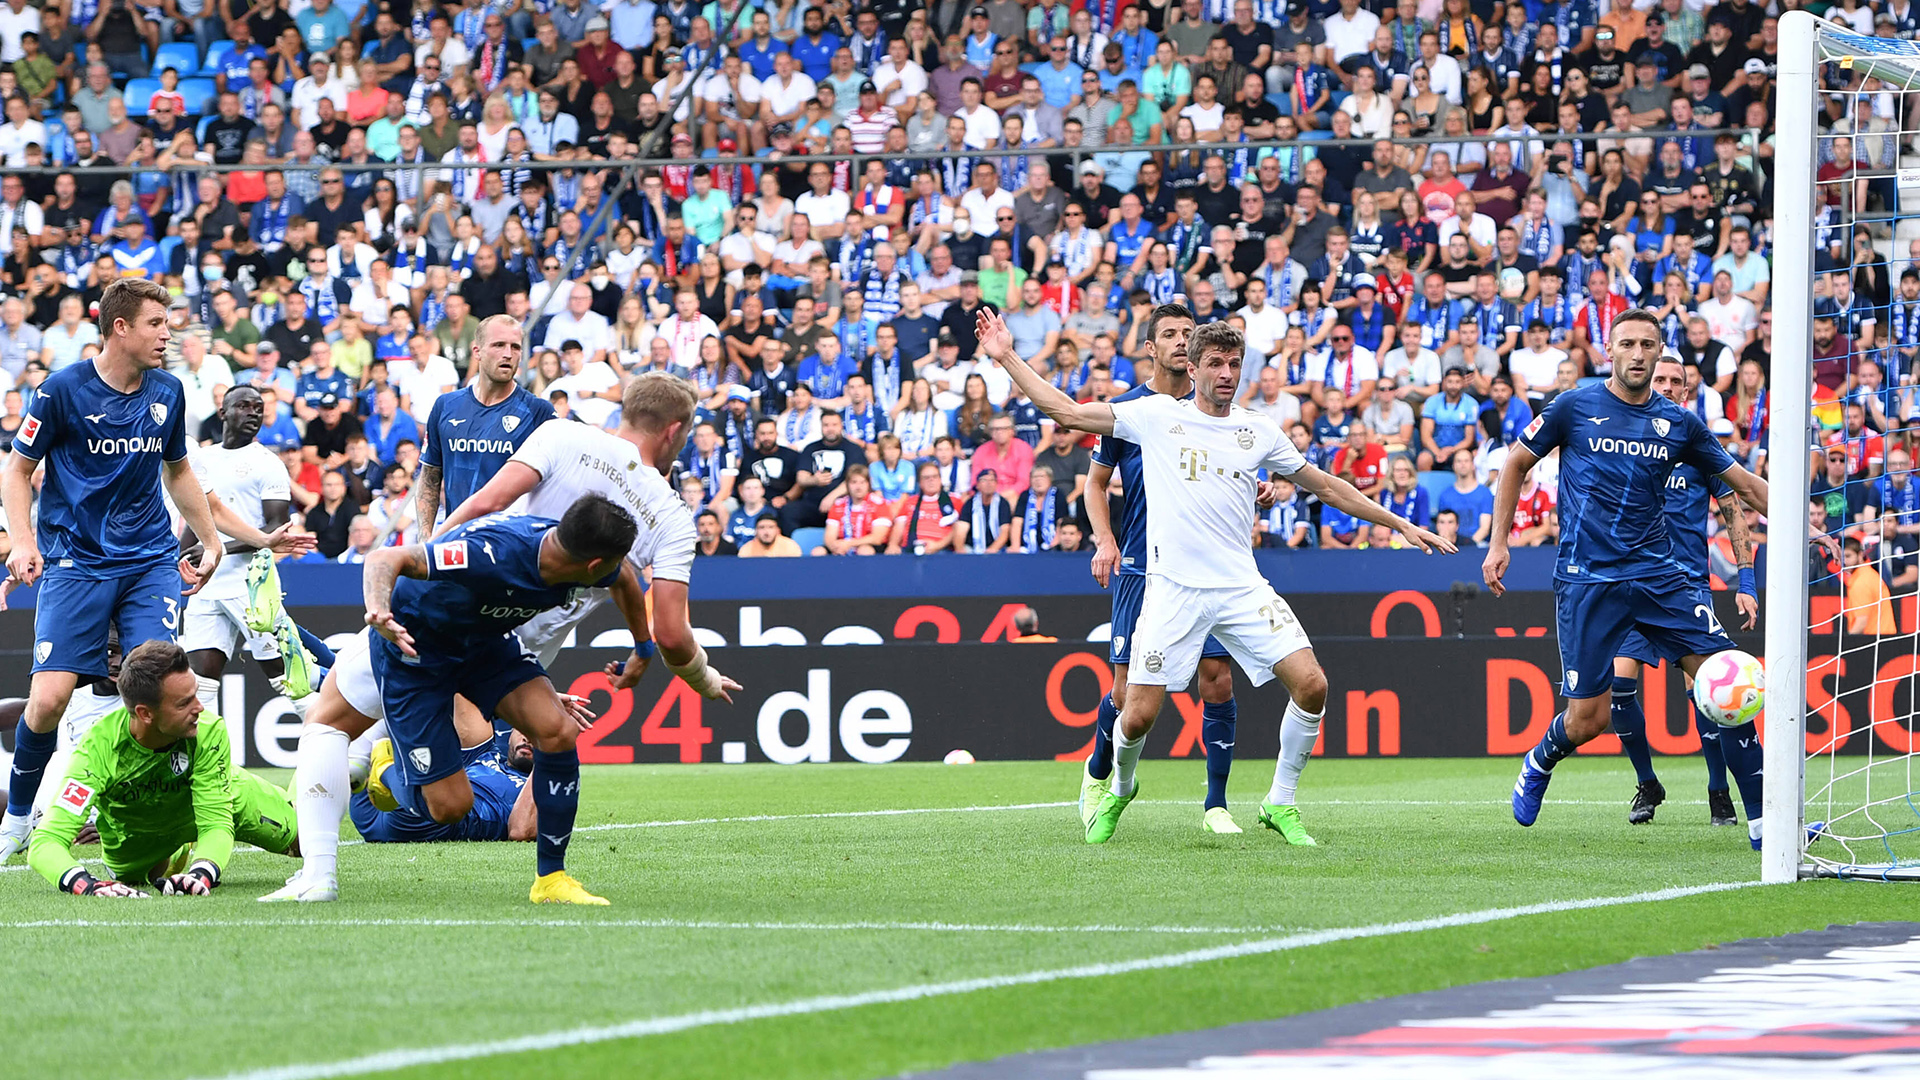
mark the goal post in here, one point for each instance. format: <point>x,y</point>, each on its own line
<point>1830,689</point>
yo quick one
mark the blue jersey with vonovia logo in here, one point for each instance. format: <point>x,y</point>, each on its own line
<point>483,579</point>
<point>1687,509</point>
<point>1124,458</point>
<point>1615,459</point>
<point>468,441</point>
<point>101,510</point>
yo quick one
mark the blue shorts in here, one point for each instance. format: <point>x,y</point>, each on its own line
<point>417,694</point>
<point>1635,646</point>
<point>1672,617</point>
<point>71,615</point>
<point>1129,592</point>
<point>495,788</point>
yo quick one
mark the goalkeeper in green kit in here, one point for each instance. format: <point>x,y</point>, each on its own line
<point>171,803</point>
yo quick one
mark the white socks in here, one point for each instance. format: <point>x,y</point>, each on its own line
<point>208,692</point>
<point>1126,755</point>
<point>1299,730</point>
<point>300,704</point>
<point>360,753</point>
<point>321,794</point>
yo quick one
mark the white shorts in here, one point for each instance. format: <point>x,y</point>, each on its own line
<point>84,709</point>
<point>352,675</point>
<point>220,625</point>
<point>1253,622</point>
<point>545,634</point>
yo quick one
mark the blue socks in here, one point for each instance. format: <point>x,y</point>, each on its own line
<point>1711,747</point>
<point>1100,765</point>
<point>1216,731</point>
<point>31,751</point>
<point>322,655</point>
<point>1746,761</point>
<point>1554,745</point>
<point>556,800</point>
<point>1630,723</point>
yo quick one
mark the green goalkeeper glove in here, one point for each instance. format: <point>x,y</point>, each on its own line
<point>199,880</point>
<point>80,883</point>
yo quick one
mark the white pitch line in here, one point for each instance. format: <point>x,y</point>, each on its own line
<point>655,924</point>
<point>389,1060</point>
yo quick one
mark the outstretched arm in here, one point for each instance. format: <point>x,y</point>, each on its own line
<point>512,481</point>
<point>384,568</point>
<point>1751,489</point>
<point>996,341</point>
<point>1347,499</point>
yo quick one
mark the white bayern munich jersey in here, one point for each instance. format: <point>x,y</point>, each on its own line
<point>574,460</point>
<point>1201,473</point>
<point>243,477</point>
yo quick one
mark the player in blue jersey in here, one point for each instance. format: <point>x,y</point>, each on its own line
<point>1617,569</point>
<point>1737,748</point>
<point>1120,563</point>
<point>497,765</point>
<point>111,433</point>
<point>472,432</point>
<point>443,613</point>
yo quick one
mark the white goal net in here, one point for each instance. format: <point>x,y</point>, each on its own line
<point>1843,636</point>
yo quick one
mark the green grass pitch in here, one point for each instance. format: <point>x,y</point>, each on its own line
<point>435,946</point>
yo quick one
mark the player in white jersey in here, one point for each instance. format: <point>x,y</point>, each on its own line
<point>656,413</point>
<point>1202,460</point>
<point>250,480</point>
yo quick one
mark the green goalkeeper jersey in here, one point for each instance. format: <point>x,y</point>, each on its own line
<point>185,789</point>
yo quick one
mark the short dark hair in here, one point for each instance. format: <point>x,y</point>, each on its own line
<point>1164,312</point>
<point>594,528</point>
<point>1634,314</point>
<point>147,666</point>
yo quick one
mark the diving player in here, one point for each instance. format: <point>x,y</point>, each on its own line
<point>496,765</point>
<point>1125,566</point>
<point>1201,459</point>
<point>1736,748</point>
<point>443,612</point>
<point>1617,570</point>
<point>171,803</point>
<point>112,433</point>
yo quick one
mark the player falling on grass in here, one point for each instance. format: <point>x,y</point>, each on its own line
<point>241,603</point>
<point>1738,748</point>
<point>1123,564</point>
<point>111,433</point>
<point>1201,461</point>
<point>1618,570</point>
<point>443,613</point>
<point>161,774</point>
<point>497,765</point>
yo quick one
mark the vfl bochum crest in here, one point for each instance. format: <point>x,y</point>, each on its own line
<point>1660,428</point>
<point>158,411</point>
<point>508,423</point>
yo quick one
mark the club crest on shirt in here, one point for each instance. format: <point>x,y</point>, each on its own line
<point>158,411</point>
<point>1661,427</point>
<point>1244,436</point>
<point>178,762</point>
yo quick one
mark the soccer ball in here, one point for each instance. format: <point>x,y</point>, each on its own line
<point>1730,688</point>
<point>958,757</point>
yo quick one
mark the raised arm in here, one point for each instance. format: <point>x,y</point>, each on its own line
<point>996,341</point>
<point>1520,462</point>
<point>1347,499</point>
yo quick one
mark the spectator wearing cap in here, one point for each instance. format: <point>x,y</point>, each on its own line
<point>1722,56</point>
<point>332,426</point>
<point>870,120</point>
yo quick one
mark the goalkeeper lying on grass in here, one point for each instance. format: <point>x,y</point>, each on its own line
<point>171,803</point>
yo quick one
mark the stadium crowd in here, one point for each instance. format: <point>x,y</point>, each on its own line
<point>1409,305</point>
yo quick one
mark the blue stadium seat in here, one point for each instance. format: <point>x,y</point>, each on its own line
<point>198,94</point>
<point>181,56</point>
<point>529,43</point>
<point>139,92</point>
<point>217,54</point>
<point>1435,481</point>
<point>808,539</point>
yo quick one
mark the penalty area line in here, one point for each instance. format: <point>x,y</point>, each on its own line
<point>389,1060</point>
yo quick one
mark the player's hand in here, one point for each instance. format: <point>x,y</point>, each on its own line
<point>203,570</point>
<point>1106,559</point>
<point>199,880</point>
<point>25,564</point>
<point>626,673</point>
<point>719,687</point>
<point>1265,494</point>
<point>1749,607</point>
<point>1495,568</point>
<point>1426,541</point>
<point>7,586</point>
<point>78,882</point>
<point>282,542</point>
<point>577,711</point>
<point>991,329</point>
<point>388,627</point>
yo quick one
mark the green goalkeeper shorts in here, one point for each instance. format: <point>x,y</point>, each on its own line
<point>262,816</point>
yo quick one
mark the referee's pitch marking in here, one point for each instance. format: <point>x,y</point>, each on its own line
<point>389,1060</point>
